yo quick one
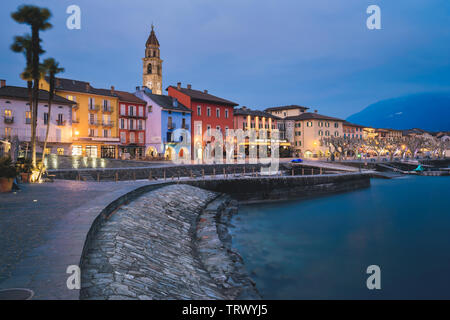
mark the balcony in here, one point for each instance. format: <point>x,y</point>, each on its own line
<point>75,120</point>
<point>108,124</point>
<point>9,120</point>
<point>94,108</point>
<point>94,123</point>
<point>135,116</point>
<point>107,109</point>
<point>171,126</point>
<point>186,127</point>
<point>27,120</point>
<point>60,122</point>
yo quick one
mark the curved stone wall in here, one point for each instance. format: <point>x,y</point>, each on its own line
<point>150,249</point>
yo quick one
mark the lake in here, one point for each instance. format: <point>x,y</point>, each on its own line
<point>320,248</point>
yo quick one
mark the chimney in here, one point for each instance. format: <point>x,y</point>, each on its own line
<point>244,108</point>
<point>179,85</point>
<point>112,89</point>
<point>189,86</point>
<point>175,102</point>
<point>57,83</point>
<point>138,88</point>
<point>315,111</point>
<point>205,91</point>
<point>2,83</point>
<point>87,86</point>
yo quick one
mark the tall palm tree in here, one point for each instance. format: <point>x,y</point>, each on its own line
<point>51,68</point>
<point>37,18</point>
<point>22,44</point>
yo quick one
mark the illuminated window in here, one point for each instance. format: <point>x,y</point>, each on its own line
<point>77,150</point>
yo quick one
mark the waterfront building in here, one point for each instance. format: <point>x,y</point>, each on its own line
<point>152,64</point>
<point>165,115</point>
<point>208,112</point>
<point>16,120</point>
<point>352,130</point>
<point>309,129</point>
<point>132,125</point>
<point>388,133</point>
<point>248,119</point>
<point>92,116</point>
<point>285,128</point>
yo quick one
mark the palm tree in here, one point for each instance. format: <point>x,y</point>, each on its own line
<point>37,18</point>
<point>51,68</point>
<point>22,44</point>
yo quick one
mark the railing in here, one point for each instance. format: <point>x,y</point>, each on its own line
<point>27,121</point>
<point>93,123</point>
<point>9,119</point>
<point>75,120</point>
<point>94,107</point>
<point>108,124</point>
<point>171,126</point>
<point>186,127</point>
<point>107,109</point>
<point>60,122</point>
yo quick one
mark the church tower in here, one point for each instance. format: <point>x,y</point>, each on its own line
<point>152,72</point>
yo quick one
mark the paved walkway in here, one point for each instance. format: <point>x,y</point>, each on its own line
<point>43,228</point>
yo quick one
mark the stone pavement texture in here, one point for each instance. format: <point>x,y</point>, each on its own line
<point>39,239</point>
<point>164,245</point>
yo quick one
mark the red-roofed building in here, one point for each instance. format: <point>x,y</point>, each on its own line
<point>208,112</point>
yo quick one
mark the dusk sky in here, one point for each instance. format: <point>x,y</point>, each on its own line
<point>258,53</point>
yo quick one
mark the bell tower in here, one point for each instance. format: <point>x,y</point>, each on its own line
<point>152,71</point>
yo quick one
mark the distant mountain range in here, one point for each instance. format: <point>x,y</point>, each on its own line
<point>428,111</point>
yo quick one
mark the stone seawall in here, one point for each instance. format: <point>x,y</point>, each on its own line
<point>272,188</point>
<point>160,247</point>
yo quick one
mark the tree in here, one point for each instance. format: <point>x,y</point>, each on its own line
<point>51,68</point>
<point>37,18</point>
<point>377,145</point>
<point>414,144</point>
<point>393,145</point>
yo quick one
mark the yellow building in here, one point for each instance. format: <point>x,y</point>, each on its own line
<point>309,129</point>
<point>94,118</point>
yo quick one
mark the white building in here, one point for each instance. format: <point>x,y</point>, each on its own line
<point>15,119</point>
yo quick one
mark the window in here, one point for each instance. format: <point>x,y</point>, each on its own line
<point>141,137</point>
<point>108,151</point>
<point>139,124</point>
<point>91,151</point>
<point>226,113</point>
<point>208,130</point>
<point>45,117</point>
<point>131,112</point>
<point>91,133</point>
<point>72,98</point>
<point>218,129</point>
<point>336,134</point>
<point>60,151</point>
<point>27,117</point>
<point>217,112</point>
<point>149,109</point>
<point>199,110</point>
<point>169,123</point>
<point>132,137</point>
<point>309,124</point>
<point>327,133</point>
<point>105,133</point>
<point>320,133</point>
<point>226,131</point>
<point>77,150</point>
<point>336,125</point>
<point>131,125</point>
<point>208,112</point>
<point>327,124</point>
<point>123,137</point>
<point>122,123</point>
<point>320,124</point>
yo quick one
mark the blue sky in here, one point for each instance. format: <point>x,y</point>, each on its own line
<point>259,53</point>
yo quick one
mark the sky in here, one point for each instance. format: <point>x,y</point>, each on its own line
<point>258,53</point>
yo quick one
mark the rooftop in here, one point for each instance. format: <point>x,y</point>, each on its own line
<point>312,116</point>
<point>167,102</point>
<point>289,107</point>
<point>80,86</point>
<point>349,124</point>
<point>128,97</point>
<point>152,40</point>
<point>202,96</point>
<point>21,93</point>
<point>255,113</point>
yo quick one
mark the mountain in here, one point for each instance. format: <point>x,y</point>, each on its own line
<point>428,111</point>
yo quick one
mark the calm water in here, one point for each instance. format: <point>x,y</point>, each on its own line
<point>321,248</point>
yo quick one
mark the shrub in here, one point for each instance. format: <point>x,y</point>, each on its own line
<point>7,170</point>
